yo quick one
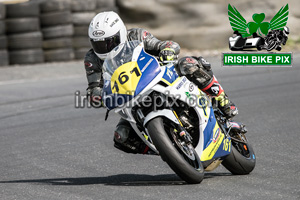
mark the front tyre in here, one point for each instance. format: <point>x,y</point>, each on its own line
<point>181,158</point>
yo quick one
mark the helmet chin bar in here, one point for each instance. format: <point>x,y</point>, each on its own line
<point>102,56</point>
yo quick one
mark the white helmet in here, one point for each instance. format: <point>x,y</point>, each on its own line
<point>106,31</point>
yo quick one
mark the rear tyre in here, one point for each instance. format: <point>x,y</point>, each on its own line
<point>240,161</point>
<point>188,167</point>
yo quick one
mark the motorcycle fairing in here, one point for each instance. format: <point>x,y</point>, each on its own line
<point>214,140</point>
<point>116,93</point>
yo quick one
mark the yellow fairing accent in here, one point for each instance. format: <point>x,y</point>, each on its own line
<point>168,83</point>
<point>213,147</point>
<point>126,78</point>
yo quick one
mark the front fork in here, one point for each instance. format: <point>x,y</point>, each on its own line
<point>182,132</point>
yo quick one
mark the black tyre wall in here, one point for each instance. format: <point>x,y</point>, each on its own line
<point>31,40</point>
<point>28,56</point>
<point>3,42</point>
<point>81,30</point>
<point>27,9</point>
<point>56,18</point>
<point>82,6</point>
<point>2,11</point>
<point>83,18</point>
<point>80,53</point>
<point>54,6</point>
<point>58,31</point>
<point>64,42</point>
<point>59,55</point>
<point>4,59</point>
<point>22,25</point>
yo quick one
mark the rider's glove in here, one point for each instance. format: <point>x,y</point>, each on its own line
<point>94,95</point>
<point>167,54</point>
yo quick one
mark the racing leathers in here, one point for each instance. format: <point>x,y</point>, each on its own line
<point>195,69</point>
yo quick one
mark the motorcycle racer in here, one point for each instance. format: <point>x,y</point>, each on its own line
<point>107,31</point>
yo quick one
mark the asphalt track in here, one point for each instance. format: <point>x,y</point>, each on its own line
<point>51,150</point>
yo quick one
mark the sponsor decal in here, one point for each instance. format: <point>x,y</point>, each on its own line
<point>97,25</point>
<point>191,87</point>
<point>190,60</point>
<point>181,83</point>
<point>188,95</point>
<point>169,44</point>
<point>114,22</point>
<point>216,135</point>
<point>88,64</point>
<point>98,33</point>
<point>145,34</point>
<point>204,61</point>
<point>215,88</point>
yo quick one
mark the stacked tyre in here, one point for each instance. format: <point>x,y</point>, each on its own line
<point>106,5</point>
<point>58,30</point>
<point>3,39</point>
<point>24,38</point>
<point>83,12</point>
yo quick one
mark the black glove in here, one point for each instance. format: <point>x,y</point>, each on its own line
<point>167,54</point>
<point>94,95</point>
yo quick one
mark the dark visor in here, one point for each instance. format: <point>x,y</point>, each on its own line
<point>106,45</point>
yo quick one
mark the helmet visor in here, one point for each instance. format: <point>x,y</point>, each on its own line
<point>107,44</point>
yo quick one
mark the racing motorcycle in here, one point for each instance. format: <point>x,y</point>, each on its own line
<point>172,116</point>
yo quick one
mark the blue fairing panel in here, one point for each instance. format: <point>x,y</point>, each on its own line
<point>208,131</point>
<point>170,74</point>
<point>149,67</point>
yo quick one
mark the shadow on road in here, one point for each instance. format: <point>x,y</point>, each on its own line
<point>118,180</point>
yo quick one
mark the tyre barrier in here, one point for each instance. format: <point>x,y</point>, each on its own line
<point>24,38</point>
<point>82,14</point>
<point>58,30</point>
<point>39,31</point>
<point>3,38</point>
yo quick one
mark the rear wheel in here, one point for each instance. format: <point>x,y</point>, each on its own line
<point>242,159</point>
<point>181,157</point>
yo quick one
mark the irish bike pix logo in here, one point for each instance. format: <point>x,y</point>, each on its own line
<point>258,41</point>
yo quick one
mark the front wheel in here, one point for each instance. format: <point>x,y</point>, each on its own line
<point>271,45</point>
<point>181,157</point>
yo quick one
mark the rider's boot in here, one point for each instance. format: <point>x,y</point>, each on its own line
<point>215,90</point>
<point>127,140</point>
